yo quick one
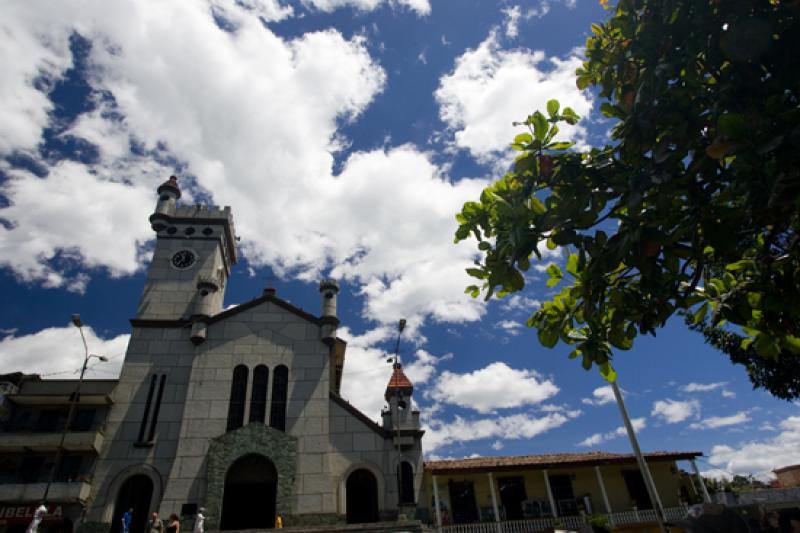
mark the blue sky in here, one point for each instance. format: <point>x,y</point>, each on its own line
<point>345,134</point>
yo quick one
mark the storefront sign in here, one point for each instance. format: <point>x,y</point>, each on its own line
<point>10,514</point>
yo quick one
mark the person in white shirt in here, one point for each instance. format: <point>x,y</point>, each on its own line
<point>38,516</point>
<point>199,520</point>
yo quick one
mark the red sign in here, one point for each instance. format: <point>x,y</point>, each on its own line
<point>16,514</point>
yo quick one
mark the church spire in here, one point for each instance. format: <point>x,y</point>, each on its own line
<point>398,383</point>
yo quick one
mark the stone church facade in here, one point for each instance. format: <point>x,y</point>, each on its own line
<point>238,410</point>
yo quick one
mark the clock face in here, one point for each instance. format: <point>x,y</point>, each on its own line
<point>183,259</point>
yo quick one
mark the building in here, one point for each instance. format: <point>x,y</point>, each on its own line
<point>788,476</point>
<point>238,410</point>
<point>542,491</point>
<point>34,413</point>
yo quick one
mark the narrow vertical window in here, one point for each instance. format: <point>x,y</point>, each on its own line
<point>157,408</point>
<point>280,386</point>
<point>238,394</point>
<point>406,483</point>
<point>146,415</point>
<point>258,398</point>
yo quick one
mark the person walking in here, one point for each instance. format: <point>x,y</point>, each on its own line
<point>155,525</point>
<point>38,516</point>
<point>278,522</point>
<point>126,520</point>
<point>173,524</point>
<point>199,520</point>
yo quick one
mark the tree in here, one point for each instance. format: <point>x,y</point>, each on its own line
<point>694,205</point>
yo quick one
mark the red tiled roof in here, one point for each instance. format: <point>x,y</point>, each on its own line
<point>555,460</point>
<point>399,380</point>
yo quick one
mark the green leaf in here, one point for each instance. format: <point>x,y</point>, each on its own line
<point>560,145</point>
<point>523,138</point>
<point>537,206</point>
<point>792,344</point>
<point>555,275</point>
<point>539,125</point>
<point>552,107</point>
<point>548,337</point>
<point>476,273</point>
<point>572,264</point>
<point>700,314</point>
<point>608,372</point>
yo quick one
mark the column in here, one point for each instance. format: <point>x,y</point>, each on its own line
<point>436,504</point>
<point>706,496</point>
<point>550,493</point>
<point>605,495</point>
<point>494,501</point>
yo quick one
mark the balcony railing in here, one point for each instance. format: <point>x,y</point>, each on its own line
<point>565,522</point>
<point>84,441</point>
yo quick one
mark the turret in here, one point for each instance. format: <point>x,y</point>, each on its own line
<point>400,416</point>
<point>168,195</point>
<point>328,289</point>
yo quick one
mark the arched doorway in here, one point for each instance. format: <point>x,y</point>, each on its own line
<point>248,499</point>
<point>362,497</point>
<point>135,493</point>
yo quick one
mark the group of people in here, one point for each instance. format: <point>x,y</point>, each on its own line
<point>173,523</point>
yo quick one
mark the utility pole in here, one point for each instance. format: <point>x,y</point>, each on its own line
<point>400,327</point>
<point>648,479</point>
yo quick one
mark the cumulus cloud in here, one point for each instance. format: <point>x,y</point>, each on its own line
<point>760,457</point>
<point>703,387</point>
<point>496,386</point>
<point>599,438</point>
<point>481,97</point>
<point>439,433</point>
<point>34,353</point>
<point>241,111</point>
<point>600,396</point>
<point>518,302</point>
<point>674,411</point>
<point>715,422</point>
<point>421,7</point>
<point>509,326</point>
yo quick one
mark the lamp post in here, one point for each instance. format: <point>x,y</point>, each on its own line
<point>74,399</point>
<point>396,416</point>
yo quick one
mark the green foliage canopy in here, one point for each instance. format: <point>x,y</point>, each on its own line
<point>705,157</point>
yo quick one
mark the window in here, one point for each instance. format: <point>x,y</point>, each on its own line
<point>258,398</point>
<point>83,420</point>
<point>157,408</point>
<point>70,467</point>
<point>238,393</point>
<point>280,387</point>
<point>146,415</point>
<point>51,420</point>
<point>406,483</point>
<point>31,469</point>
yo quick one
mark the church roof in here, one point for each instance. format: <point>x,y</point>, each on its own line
<point>554,460</point>
<point>399,380</point>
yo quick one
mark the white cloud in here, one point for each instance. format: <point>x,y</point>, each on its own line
<point>728,394</point>
<point>34,353</point>
<point>703,387</point>
<point>421,7</point>
<point>497,386</point>
<point>440,433</point>
<point>599,438</point>
<point>715,422</point>
<point>601,396</point>
<point>242,111</point>
<point>760,457</point>
<point>511,24</point>
<point>509,326</point>
<point>674,411</point>
<point>481,97</point>
<point>517,302</point>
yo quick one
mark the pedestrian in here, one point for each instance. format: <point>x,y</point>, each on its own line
<point>278,522</point>
<point>155,525</point>
<point>199,520</point>
<point>173,524</point>
<point>38,516</point>
<point>126,520</point>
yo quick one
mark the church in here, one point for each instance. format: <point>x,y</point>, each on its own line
<point>238,410</point>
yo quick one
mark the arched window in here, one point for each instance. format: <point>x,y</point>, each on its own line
<point>406,483</point>
<point>258,398</point>
<point>280,387</point>
<point>238,393</point>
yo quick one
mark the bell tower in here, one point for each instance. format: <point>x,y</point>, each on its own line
<point>195,250</point>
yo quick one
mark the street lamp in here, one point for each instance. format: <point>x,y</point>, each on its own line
<point>74,399</point>
<point>396,416</point>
